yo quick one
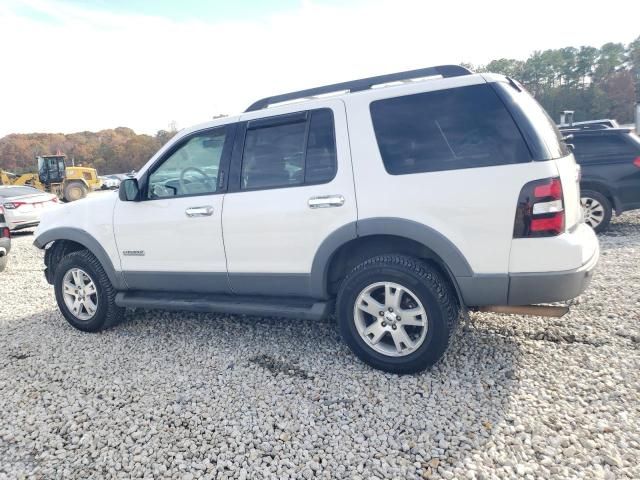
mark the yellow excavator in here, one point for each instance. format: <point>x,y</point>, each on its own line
<point>68,183</point>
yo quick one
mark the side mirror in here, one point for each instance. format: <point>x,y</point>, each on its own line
<point>129,190</point>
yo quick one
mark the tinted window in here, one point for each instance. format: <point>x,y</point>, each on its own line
<point>18,191</point>
<point>191,170</point>
<point>542,125</point>
<point>602,148</point>
<point>281,153</point>
<point>444,130</point>
<point>321,148</point>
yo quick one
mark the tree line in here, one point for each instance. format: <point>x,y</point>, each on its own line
<point>116,150</point>
<point>594,82</point>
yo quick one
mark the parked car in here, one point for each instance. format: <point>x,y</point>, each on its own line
<point>397,207</point>
<point>24,205</point>
<point>110,182</point>
<point>5,241</point>
<point>610,161</point>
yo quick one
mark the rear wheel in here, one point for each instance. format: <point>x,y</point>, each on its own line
<point>84,293</point>
<point>597,210</point>
<point>75,191</point>
<point>397,313</point>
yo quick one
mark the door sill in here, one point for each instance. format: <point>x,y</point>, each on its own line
<point>302,308</point>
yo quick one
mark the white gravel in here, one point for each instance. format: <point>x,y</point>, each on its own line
<point>213,396</point>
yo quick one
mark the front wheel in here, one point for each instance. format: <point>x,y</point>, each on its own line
<point>597,210</point>
<point>397,313</point>
<point>84,293</point>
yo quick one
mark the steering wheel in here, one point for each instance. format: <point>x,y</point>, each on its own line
<point>183,185</point>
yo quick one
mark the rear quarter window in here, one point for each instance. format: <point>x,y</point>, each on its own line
<point>466,127</point>
<point>541,133</point>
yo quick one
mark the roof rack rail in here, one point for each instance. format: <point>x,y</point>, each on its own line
<point>444,71</point>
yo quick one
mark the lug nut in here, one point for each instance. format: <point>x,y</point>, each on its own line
<point>394,327</point>
<point>384,324</point>
<point>390,309</point>
<point>381,313</point>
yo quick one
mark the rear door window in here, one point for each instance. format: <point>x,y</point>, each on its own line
<point>466,127</point>
<point>289,150</point>
<point>602,149</point>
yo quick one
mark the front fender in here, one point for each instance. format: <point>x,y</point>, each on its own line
<point>85,239</point>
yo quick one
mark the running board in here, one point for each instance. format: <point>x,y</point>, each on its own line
<point>534,310</point>
<point>302,308</point>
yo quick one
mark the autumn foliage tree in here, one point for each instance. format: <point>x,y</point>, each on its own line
<point>109,151</point>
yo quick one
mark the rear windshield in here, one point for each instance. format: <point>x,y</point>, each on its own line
<point>542,134</point>
<point>465,127</point>
<point>17,191</point>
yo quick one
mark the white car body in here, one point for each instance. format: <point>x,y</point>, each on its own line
<point>23,206</point>
<point>506,233</point>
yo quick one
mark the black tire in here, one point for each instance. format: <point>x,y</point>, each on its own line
<point>75,191</point>
<point>586,199</point>
<point>431,289</point>
<point>3,262</point>
<point>107,313</point>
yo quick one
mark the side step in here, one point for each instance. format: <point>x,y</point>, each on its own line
<point>302,308</point>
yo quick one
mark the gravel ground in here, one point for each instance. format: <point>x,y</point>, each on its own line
<point>213,396</point>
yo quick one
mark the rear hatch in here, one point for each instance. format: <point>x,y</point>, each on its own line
<point>545,142</point>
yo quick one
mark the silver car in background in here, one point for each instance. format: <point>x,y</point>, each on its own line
<point>23,205</point>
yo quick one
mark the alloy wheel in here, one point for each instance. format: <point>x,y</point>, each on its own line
<point>593,211</point>
<point>390,319</point>
<point>80,294</point>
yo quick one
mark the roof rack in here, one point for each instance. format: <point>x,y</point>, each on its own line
<point>445,71</point>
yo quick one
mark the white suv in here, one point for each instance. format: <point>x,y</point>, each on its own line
<point>396,206</point>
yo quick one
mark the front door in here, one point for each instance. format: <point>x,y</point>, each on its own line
<point>172,238</point>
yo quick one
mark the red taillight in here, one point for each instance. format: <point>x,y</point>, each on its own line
<point>554,224</point>
<point>636,162</point>
<point>540,211</point>
<point>5,233</point>
<point>551,189</point>
<point>12,205</point>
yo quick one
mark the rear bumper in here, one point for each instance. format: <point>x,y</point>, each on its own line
<point>537,282</point>
<point>530,288</point>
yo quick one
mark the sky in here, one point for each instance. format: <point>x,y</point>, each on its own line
<point>75,65</point>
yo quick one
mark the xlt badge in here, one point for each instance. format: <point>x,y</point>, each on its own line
<point>133,253</point>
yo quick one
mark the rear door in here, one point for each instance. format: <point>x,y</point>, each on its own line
<point>291,186</point>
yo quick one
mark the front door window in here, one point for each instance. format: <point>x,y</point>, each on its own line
<point>191,170</point>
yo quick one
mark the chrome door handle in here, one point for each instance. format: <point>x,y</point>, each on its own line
<point>326,201</point>
<point>204,211</point>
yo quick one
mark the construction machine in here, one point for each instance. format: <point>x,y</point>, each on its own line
<point>54,176</point>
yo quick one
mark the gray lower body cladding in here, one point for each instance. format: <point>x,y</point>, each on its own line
<point>526,288</point>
